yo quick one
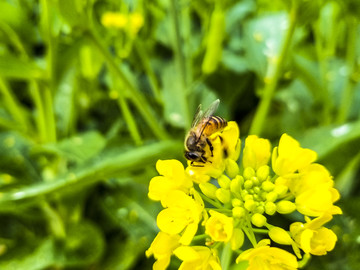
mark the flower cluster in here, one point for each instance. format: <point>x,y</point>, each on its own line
<point>223,207</point>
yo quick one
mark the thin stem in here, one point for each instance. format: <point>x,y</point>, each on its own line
<point>347,93</point>
<point>47,93</point>
<point>324,91</point>
<point>180,60</point>
<point>40,119</point>
<point>12,105</point>
<point>226,256</point>
<point>212,202</point>
<point>139,101</point>
<point>140,48</point>
<point>55,222</point>
<point>271,81</point>
<point>129,119</point>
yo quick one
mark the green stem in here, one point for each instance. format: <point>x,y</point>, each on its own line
<point>139,101</point>
<point>129,119</point>
<point>47,93</point>
<point>347,93</point>
<point>13,106</point>
<point>324,91</point>
<point>55,222</point>
<point>180,60</point>
<point>40,119</point>
<point>140,48</point>
<point>271,81</point>
<point>226,256</point>
<point>212,202</point>
<point>260,231</point>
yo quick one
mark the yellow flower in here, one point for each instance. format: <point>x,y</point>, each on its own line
<point>182,215</point>
<point>162,248</point>
<point>219,227</point>
<point>312,237</point>
<point>289,157</point>
<point>226,144</point>
<point>308,177</point>
<point>264,257</point>
<point>114,19</point>
<point>256,152</point>
<point>136,22</point>
<point>197,257</point>
<point>131,22</point>
<point>318,201</point>
<point>173,177</point>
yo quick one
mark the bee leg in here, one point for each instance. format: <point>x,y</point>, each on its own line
<point>211,146</point>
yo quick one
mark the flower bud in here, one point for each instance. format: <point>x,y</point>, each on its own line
<point>280,236</point>
<point>235,184</point>
<point>285,207</point>
<point>255,181</point>
<point>271,196</point>
<point>250,205</point>
<point>237,239</point>
<point>208,189</point>
<point>232,168</point>
<point>263,172</point>
<point>258,220</point>
<point>248,184</point>
<point>268,186</point>
<point>281,190</point>
<point>236,202</point>
<point>224,181</point>
<point>223,195</point>
<point>270,208</point>
<point>248,173</point>
<point>259,209</point>
<point>238,212</point>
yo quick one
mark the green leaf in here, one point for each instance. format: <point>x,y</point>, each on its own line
<point>77,148</point>
<point>102,167</point>
<point>263,38</point>
<point>12,67</point>
<point>325,140</point>
<point>37,258</point>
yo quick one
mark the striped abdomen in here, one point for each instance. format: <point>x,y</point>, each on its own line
<point>213,124</point>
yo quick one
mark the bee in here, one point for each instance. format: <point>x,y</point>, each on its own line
<point>204,125</point>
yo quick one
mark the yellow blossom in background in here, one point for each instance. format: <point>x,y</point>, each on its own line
<point>114,19</point>
<point>264,257</point>
<point>182,215</point>
<point>289,157</point>
<point>162,248</point>
<point>312,237</point>
<point>173,177</point>
<point>256,152</point>
<point>131,22</point>
<point>197,257</point>
<point>136,21</point>
<point>219,227</point>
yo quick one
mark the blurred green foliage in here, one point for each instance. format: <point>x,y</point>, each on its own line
<point>86,110</point>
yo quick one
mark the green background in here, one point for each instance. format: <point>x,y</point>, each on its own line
<point>86,111</point>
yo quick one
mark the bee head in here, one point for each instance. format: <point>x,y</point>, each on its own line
<point>194,156</point>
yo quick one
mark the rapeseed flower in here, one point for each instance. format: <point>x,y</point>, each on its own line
<point>197,257</point>
<point>312,237</point>
<point>240,200</point>
<point>264,257</point>
<point>162,248</point>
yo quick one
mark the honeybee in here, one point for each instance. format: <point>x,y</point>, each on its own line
<point>204,125</point>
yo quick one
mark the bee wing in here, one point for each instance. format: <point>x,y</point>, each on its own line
<point>197,117</point>
<point>212,108</point>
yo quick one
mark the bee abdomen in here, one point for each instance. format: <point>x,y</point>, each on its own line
<point>215,123</point>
